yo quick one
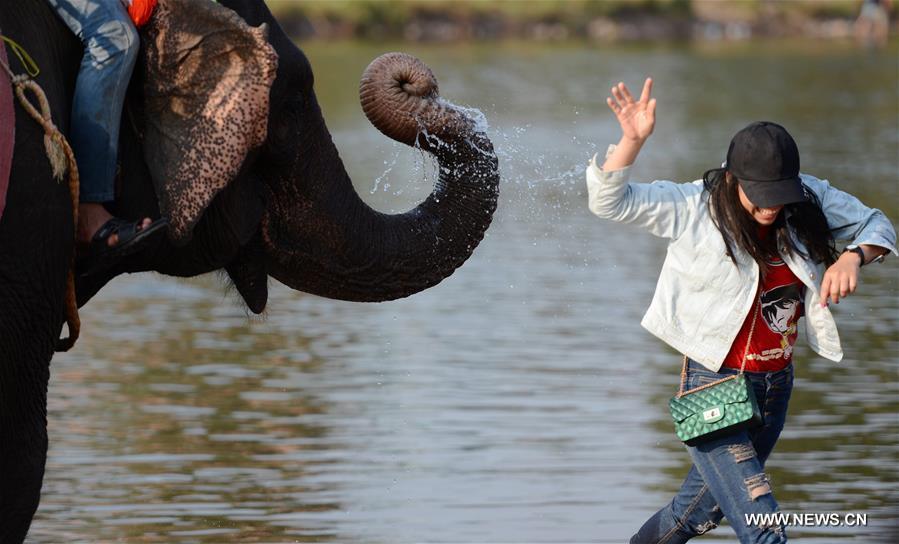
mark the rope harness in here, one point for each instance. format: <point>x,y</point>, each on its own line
<point>62,160</point>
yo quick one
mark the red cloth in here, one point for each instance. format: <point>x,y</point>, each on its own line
<point>7,129</point>
<point>781,294</point>
<point>140,11</point>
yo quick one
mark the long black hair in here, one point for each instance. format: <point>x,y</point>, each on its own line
<point>739,229</point>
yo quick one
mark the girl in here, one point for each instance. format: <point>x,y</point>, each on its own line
<point>751,250</point>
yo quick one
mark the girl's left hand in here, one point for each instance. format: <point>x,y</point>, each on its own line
<point>840,279</point>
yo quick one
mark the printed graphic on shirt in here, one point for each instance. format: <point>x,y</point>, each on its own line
<point>774,332</point>
<point>780,311</point>
<point>780,307</point>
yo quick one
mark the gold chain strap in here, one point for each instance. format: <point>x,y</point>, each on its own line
<point>683,372</point>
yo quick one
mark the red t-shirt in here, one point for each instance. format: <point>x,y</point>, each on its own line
<point>781,295</point>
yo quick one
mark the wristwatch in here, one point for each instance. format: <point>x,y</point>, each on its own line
<point>858,251</point>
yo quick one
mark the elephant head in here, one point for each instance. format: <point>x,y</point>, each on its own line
<point>309,229</point>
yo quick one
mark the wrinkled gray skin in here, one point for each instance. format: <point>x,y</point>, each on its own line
<point>291,214</point>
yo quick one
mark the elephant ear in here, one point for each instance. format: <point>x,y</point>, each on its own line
<point>206,84</point>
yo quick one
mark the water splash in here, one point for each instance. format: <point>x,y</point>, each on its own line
<point>474,114</point>
<point>389,165</point>
<point>557,171</point>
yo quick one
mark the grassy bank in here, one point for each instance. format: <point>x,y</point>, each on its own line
<point>609,20</point>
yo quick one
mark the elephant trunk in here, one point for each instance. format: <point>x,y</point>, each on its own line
<point>321,238</point>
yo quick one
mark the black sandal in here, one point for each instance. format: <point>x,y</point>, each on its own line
<point>99,255</point>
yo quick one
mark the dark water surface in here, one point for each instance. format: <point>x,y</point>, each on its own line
<point>517,401</point>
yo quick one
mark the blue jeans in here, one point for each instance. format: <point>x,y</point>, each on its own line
<point>726,479</point>
<point>111,44</point>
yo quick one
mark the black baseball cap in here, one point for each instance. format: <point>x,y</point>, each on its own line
<point>764,158</point>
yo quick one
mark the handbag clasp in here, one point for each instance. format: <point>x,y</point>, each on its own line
<point>713,414</point>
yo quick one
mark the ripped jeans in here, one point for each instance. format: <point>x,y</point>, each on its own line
<point>726,479</point>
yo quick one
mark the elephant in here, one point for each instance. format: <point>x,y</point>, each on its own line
<point>290,213</point>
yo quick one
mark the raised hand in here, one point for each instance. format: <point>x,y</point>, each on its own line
<point>637,118</point>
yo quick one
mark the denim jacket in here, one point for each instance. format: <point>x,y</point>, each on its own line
<point>701,298</point>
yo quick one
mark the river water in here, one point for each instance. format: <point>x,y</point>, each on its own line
<point>517,401</point>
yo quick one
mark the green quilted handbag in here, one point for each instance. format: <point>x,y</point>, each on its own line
<point>715,409</point>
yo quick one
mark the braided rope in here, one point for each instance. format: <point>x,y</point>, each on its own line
<point>61,158</point>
